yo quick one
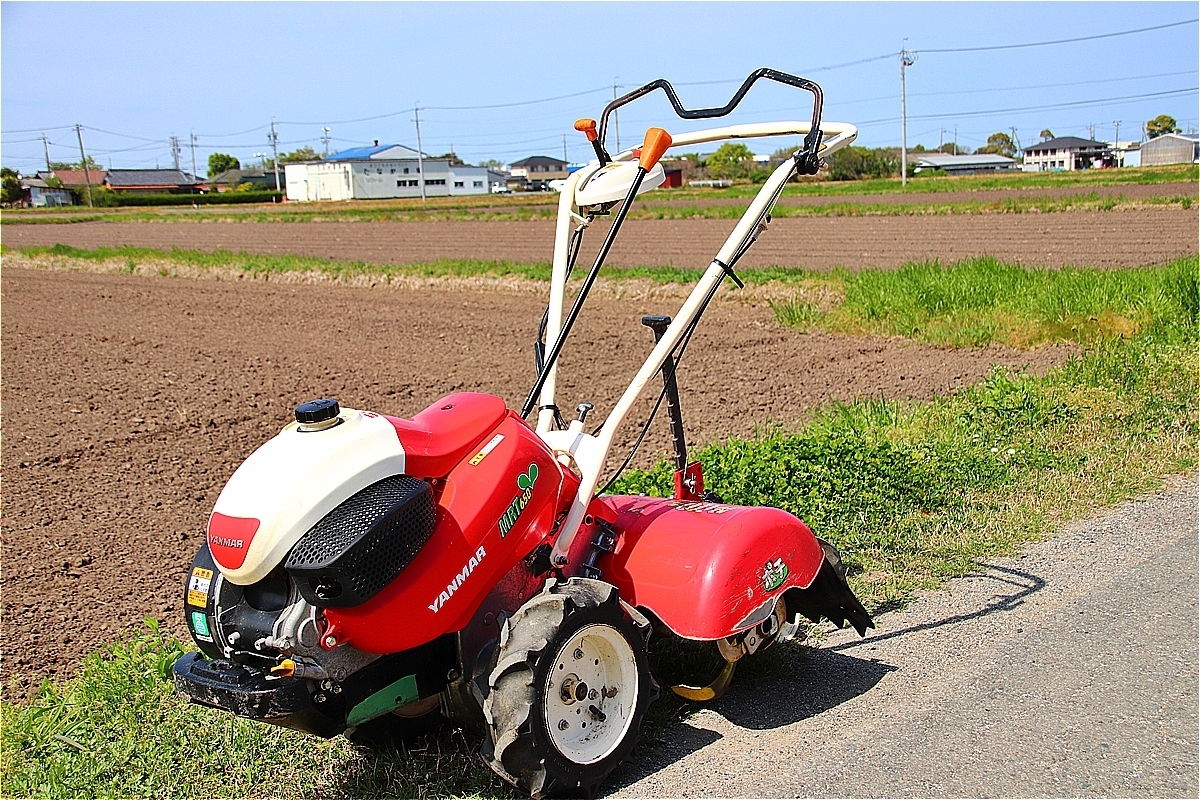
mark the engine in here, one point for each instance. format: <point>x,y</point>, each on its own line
<point>264,639</point>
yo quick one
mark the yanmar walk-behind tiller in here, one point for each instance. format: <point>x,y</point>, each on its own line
<point>364,571</point>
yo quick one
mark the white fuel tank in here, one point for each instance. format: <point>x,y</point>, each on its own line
<point>291,482</point>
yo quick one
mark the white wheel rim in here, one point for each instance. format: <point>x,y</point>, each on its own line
<point>598,658</point>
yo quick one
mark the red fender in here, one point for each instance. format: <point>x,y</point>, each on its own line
<point>707,570</point>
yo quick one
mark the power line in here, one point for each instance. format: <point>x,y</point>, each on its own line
<point>515,105</point>
<point>1051,107</point>
<point>1059,41</point>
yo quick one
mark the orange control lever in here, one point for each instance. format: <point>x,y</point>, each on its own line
<point>655,144</point>
<point>587,127</point>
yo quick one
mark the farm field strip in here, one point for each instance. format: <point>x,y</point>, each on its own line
<point>1095,238</point>
<point>1133,184</point>
<point>664,205</point>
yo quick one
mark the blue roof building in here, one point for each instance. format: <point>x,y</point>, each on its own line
<point>377,152</point>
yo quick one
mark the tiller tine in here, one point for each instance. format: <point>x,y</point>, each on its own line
<point>700,694</point>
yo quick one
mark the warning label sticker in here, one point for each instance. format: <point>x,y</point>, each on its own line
<point>200,626</point>
<point>487,448</point>
<point>197,593</point>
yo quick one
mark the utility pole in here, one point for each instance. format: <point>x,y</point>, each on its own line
<point>83,162</point>
<point>941,138</point>
<point>906,60</point>
<point>420,155</point>
<point>46,146</point>
<point>1016,141</point>
<point>1092,132</point>
<point>1120,159</point>
<point>616,122</point>
<point>275,149</point>
<point>565,148</point>
<point>955,140</point>
<point>192,136</point>
<point>175,151</point>
<point>325,141</point>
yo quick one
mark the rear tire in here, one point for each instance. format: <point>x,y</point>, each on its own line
<point>570,689</point>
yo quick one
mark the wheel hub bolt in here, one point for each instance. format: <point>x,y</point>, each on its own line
<point>578,653</point>
<point>563,724</point>
<point>593,694</point>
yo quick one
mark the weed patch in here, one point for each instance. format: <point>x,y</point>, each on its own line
<point>983,301</point>
<point>117,730</point>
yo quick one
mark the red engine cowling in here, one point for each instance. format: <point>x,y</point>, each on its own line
<point>497,488</point>
<point>707,570</point>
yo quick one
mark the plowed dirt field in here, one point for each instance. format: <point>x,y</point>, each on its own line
<point>128,402</point>
<point>1098,239</point>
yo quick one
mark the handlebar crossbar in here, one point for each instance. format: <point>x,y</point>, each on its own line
<point>811,141</point>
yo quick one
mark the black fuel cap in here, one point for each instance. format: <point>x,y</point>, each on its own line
<point>317,410</point>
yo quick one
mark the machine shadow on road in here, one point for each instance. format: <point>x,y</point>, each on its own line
<point>789,684</point>
<point>1024,583</point>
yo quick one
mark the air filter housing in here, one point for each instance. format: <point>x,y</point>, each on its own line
<point>359,547</point>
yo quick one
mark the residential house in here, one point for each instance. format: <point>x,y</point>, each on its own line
<point>75,178</point>
<point>1067,153</point>
<point>261,179</point>
<point>152,181</point>
<point>536,172</point>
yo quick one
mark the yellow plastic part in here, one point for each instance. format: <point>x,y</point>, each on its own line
<point>284,669</point>
<point>701,694</point>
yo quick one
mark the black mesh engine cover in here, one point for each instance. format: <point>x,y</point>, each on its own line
<point>360,546</point>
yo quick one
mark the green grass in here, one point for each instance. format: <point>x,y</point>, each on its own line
<point>1091,201</point>
<point>982,301</point>
<point>116,730</point>
<point>913,493</point>
<point>1144,176</point>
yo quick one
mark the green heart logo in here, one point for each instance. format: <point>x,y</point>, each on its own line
<point>526,480</point>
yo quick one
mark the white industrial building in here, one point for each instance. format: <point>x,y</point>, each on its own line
<point>1171,148</point>
<point>384,172</point>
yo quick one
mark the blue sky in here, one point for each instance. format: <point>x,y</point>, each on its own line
<point>133,74</point>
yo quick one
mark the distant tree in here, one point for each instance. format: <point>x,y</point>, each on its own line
<point>221,162</point>
<point>730,161</point>
<point>1163,123</point>
<point>856,163</point>
<point>492,164</point>
<point>1046,133</point>
<point>10,185</point>
<point>299,154</point>
<point>454,160</point>
<point>999,144</point>
<point>951,148</point>
<point>91,164</point>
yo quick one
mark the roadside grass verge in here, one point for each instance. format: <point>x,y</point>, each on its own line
<point>116,730</point>
<point>912,493</point>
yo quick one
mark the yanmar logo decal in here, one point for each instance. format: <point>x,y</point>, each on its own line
<point>229,538</point>
<point>458,581</point>
<point>525,482</point>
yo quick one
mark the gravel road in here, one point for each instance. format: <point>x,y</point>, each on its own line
<point>1068,671</point>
